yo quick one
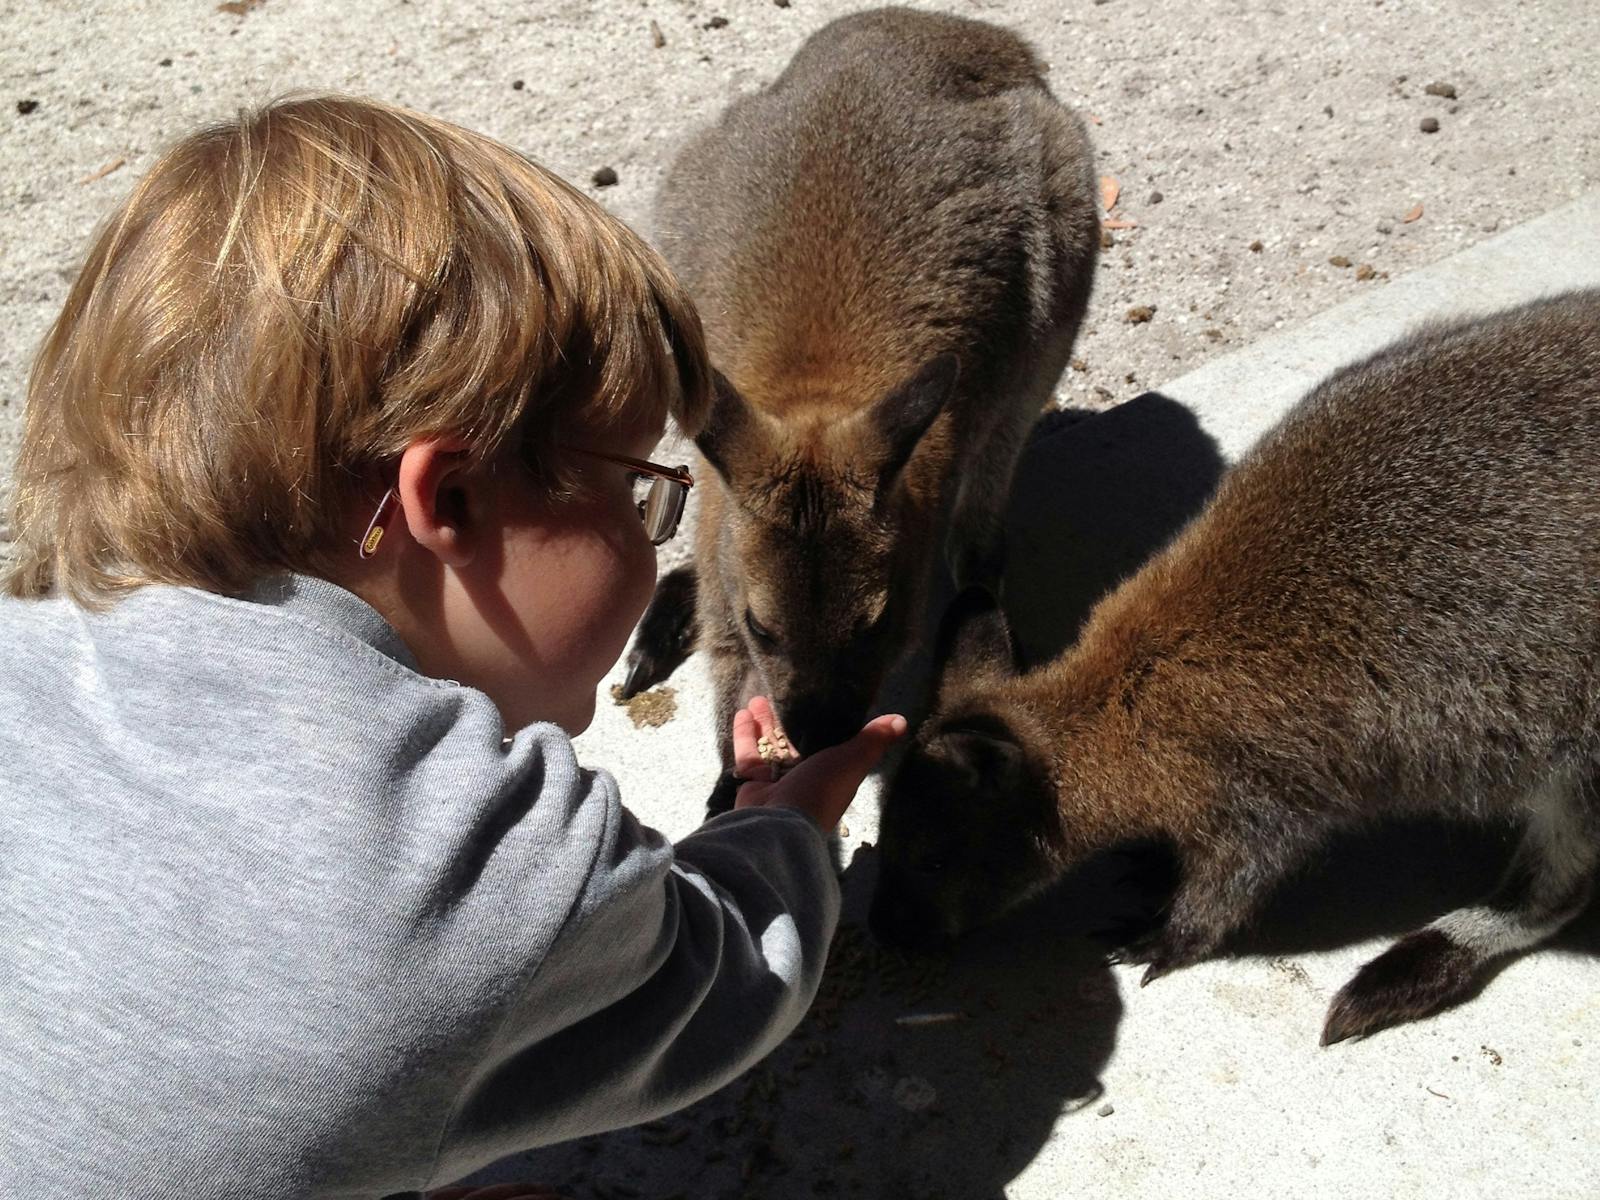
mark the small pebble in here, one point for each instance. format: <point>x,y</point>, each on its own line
<point>781,3</point>
<point>1339,260</point>
<point>1140,313</point>
<point>717,23</point>
<point>24,107</point>
<point>1430,124</point>
<point>1364,273</point>
<point>656,36</point>
<point>517,85</point>
<point>1106,240</point>
<point>1255,247</point>
<point>165,62</point>
<point>1328,109</point>
<point>1385,227</point>
<point>1156,197</point>
<point>1105,1110</point>
<point>1079,364</point>
<point>605,177</point>
<point>1447,90</point>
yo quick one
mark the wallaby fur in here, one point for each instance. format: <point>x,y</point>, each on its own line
<point>891,248</point>
<point>1390,607</point>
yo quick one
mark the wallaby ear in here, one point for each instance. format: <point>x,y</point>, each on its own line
<point>730,424</point>
<point>903,416</point>
<point>984,749</point>
<point>974,640</point>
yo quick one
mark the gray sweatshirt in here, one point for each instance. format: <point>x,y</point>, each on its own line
<point>282,917</point>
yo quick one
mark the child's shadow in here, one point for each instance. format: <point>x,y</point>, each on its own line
<point>912,1078</point>
<point>942,1077</point>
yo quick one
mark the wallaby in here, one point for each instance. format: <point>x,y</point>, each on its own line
<point>891,247</point>
<point>1390,607</point>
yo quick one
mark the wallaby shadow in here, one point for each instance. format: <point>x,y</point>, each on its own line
<point>1096,494</point>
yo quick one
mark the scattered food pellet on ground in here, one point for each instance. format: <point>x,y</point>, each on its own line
<point>1493,1056</point>
<point>1364,272</point>
<point>165,62</point>
<point>1447,90</point>
<point>24,107</point>
<point>517,85</point>
<point>1339,260</point>
<point>1430,124</point>
<point>914,1093</point>
<point>717,23</point>
<point>605,177</point>
<point>1256,247</point>
<point>1105,1110</point>
<point>1140,313</point>
<point>1079,365</point>
<point>653,708</point>
<point>1156,198</point>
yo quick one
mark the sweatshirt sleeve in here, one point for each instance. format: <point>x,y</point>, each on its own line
<point>677,968</point>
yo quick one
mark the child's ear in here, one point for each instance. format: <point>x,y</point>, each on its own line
<point>436,495</point>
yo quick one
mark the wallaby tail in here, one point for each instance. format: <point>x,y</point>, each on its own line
<point>1549,882</point>
<point>667,633</point>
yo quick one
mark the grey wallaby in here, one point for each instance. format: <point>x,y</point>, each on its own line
<point>1390,608</point>
<point>891,247</point>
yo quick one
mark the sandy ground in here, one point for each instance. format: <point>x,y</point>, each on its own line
<point>1293,127</point>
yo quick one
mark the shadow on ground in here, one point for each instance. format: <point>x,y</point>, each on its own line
<point>941,1078</point>
<point>911,1078</point>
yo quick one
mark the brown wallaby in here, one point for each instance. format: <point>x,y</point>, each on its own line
<point>1390,607</point>
<point>891,248</point>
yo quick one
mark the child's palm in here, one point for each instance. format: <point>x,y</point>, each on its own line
<point>821,786</point>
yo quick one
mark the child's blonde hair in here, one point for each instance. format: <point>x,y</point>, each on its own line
<point>284,303</point>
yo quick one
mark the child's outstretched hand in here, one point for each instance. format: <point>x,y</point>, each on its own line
<point>821,786</point>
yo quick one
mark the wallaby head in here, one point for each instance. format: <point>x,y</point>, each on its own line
<point>827,536</point>
<point>969,827</point>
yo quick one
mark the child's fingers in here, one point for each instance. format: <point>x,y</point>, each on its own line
<point>747,761</point>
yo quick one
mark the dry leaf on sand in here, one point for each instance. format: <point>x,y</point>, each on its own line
<point>1110,189</point>
<point>114,165</point>
<point>1413,214</point>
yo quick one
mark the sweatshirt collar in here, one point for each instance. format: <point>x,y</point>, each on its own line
<point>331,605</point>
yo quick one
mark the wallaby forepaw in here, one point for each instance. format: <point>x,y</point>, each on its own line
<point>667,633</point>
<point>1420,974</point>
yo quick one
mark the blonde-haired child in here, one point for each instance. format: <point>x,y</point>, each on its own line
<point>331,513</point>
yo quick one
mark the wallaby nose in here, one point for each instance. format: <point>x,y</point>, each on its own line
<point>814,725</point>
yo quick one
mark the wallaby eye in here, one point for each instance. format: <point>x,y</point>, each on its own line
<point>759,631</point>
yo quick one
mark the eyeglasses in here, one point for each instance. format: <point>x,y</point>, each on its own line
<point>659,493</point>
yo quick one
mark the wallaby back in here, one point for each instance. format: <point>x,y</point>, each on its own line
<point>891,248</point>
<point>1391,606</point>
